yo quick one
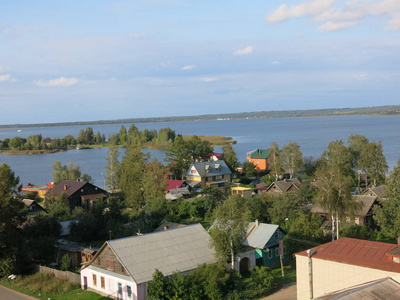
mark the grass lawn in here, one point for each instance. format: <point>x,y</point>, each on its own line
<point>45,286</point>
<point>290,275</point>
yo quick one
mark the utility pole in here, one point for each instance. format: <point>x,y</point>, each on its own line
<point>310,273</point>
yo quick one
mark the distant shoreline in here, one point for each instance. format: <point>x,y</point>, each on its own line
<point>390,110</point>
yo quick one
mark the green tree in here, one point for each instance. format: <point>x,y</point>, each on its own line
<point>274,161</point>
<point>154,181</point>
<point>68,172</point>
<point>59,208</point>
<point>250,169</point>
<point>230,224</point>
<point>130,175</point>
<point>157,287</point>
<point>123,135</point>
<point>112,168</point>
<point>12,215</point>
<point>179,157</point>
<point>388,214</point>
<point>65,263</point>
<point>357,143</point>
<point>373,162</point>
<point>230,158</point>
<point>291,158</point>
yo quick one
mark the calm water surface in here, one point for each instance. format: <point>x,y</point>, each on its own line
<point>312,134</point>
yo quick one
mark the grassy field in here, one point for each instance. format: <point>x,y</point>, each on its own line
<point>46,286</point>
<point>214,139</point>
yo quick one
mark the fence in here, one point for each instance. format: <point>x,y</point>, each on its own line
<point>65,275</point>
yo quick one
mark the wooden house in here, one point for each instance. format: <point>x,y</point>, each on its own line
<point>215,174</point>
<point>362,216</point>
<point>378,191</point>
<point>281,187</point>
<point>79,193</point>
<point>122,267</point>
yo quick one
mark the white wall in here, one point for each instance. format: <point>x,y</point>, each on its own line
<point>330,276</point>
<point>111,284</point>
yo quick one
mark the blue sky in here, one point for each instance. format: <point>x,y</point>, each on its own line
<point>102,60</point>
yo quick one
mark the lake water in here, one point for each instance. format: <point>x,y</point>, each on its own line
<point>312,134</point>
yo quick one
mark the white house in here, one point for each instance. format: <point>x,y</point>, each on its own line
<point>344,263</point>
<point>122,267</point>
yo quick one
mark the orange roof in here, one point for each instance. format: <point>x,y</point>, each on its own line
<point>357,252</point>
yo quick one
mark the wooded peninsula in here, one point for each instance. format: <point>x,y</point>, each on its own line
<point>388,110</point>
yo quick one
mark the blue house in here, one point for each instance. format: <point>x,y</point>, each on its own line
<point>265,239</point>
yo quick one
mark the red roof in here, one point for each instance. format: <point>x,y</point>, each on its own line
<point>357,252</point>
<point>174,184</point>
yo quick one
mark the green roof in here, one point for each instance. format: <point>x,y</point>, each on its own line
<point>260,153</point>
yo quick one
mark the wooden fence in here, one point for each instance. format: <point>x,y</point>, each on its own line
<point>65,275</point>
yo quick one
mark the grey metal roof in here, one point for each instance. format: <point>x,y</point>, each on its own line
<point>259,236</point>
<point>210,168</point>
<point>385,288</point>
<point>180,249</point>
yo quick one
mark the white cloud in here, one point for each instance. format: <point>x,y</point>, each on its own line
<point>245,51</point>
<point>342,15</point>
<point>360,76</point>
<point>332,26</point>
<point>310,8</point>
<point>137,35</point>
<point>62,81</point>
<point>188,67</point>
<point>275,62</point>
<point>208,79</point>
<point>5,77</point>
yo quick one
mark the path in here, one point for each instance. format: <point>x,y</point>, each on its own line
<point>287,292</point>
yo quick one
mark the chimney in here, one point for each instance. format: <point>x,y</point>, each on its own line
<point>398,241</point>
<point>256,222</point>
<point>65,187</point>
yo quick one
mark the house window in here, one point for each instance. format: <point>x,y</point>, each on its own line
<point>94,280</point>
<point>357,220</point>
<point>110,265</point>
<point>347,220</point>
<point>276,235</point>
<point>129,291</point>
<point>122,269</point>
<point>276,252</point>
<point>270,253</point>
<point>396,259</point>
<point>99,261</point>
<point>119,288</point>
<point>102,282</point>
<point>193,171</point>
<point>214,178</point>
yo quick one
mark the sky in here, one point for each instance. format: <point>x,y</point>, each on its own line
<point>87,60</point>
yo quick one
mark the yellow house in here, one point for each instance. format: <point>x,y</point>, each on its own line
<point>214,174</point>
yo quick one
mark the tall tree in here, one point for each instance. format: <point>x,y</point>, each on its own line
<point>179,157</point>
<point>154,180</point>
<point>274,161</point>
<point>230,224</point>
<point>374,163</point>
<point>68,172</point>
<point>338,157</point>
<point>291,158</point>
<point>130,175</point>
<point>112,168</point>
<point>230,157</point>
<point>388,214</point>
<point>12,215</point>
<point>356,144</point>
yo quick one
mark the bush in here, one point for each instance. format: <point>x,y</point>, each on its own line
<point>65,263</point>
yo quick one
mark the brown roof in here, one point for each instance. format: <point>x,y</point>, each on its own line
<point>68,187</point>
<point>367,203</point>
<point>357,252</point>
<point>378,191</point>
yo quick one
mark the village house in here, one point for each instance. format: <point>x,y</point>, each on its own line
<point>259,158</point>
<point>40,190</point>
<point>345,263</point>
<point>215,174</point>
<point>378,191</point>
<point>122,268</point>
<point>281,187</point>
<point>176,189</point>
<point>267,241</point>
<point>79,193</point>
<point>362,216</point>
<point>33,207</point>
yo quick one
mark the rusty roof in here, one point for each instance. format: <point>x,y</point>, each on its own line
<point>357,252</point>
